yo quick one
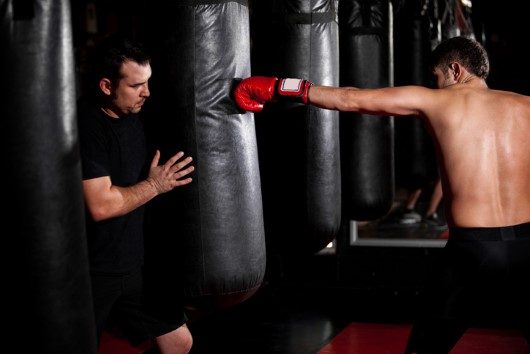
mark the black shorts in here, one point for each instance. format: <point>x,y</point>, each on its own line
<point>480,278</point>
<point>484,269</point>
<point>506,233</point>
<point>119,303</point>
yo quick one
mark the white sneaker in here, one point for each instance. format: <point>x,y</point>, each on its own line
<point>409,217</point>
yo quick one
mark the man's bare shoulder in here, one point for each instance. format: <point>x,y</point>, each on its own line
<point>508,99</point>
<point>481,106</point>
<point>472,92</point>
<point>510,94</point>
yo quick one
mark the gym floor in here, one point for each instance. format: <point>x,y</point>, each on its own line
<point>305,320</point>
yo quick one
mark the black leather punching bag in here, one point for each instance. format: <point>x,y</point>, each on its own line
<point>367,145</point>
<point>299,145</point>
<point>211,231</point>
<point>46,281</point>
<point>415,154</point>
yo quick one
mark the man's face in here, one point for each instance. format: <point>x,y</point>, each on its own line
<point>132,89</point>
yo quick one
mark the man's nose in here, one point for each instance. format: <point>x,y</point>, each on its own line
<point>145,91</point>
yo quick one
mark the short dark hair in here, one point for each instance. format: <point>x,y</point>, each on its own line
<point>468,52</point>
<point>113,51</point>
<point>108,56</point>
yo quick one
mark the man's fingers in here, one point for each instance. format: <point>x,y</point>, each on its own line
<point>156,158</point>
<point>182,182</point>
<point>182,173</point>
<point>169,163</point>
<point>181,164</point>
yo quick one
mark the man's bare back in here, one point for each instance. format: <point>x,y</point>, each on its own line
<point>484,155</point>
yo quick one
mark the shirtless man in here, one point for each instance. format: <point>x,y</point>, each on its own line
<point>481,137</point>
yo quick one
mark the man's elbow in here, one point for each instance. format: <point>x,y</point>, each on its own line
<point>99,212</point>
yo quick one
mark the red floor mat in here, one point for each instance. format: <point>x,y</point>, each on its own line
<point>374,338</point>
<point>113,344</point>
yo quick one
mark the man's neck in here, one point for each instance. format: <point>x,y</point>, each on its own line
<point>473,80</point>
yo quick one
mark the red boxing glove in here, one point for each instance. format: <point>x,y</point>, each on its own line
<point>252,93</point>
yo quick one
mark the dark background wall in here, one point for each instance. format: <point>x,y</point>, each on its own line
<point>502,26</point>
<point>506,34</point>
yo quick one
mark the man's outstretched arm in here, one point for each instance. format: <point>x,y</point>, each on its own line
<point>253,93</point>
<point>387,101</point>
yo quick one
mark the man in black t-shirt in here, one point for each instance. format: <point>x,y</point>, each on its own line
<point>113,155</point>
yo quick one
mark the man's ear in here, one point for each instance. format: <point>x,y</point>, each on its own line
<point>457,70</point>
<point>105,86</point>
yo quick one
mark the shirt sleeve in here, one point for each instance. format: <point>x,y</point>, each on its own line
<point>94,151</point>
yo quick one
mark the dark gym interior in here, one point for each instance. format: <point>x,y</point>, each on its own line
<point>300,203</point>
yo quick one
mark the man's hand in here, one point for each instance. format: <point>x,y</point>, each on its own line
<point>169,175</point>
<point>252,93</point>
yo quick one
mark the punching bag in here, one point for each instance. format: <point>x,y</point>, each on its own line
<point>367,150</point>
<point>49,305</point>
<point>299,145</point>
<point>216,239</point>
<point>415,154</point>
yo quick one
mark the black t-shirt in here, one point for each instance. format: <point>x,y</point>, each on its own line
<point>115,148</point>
